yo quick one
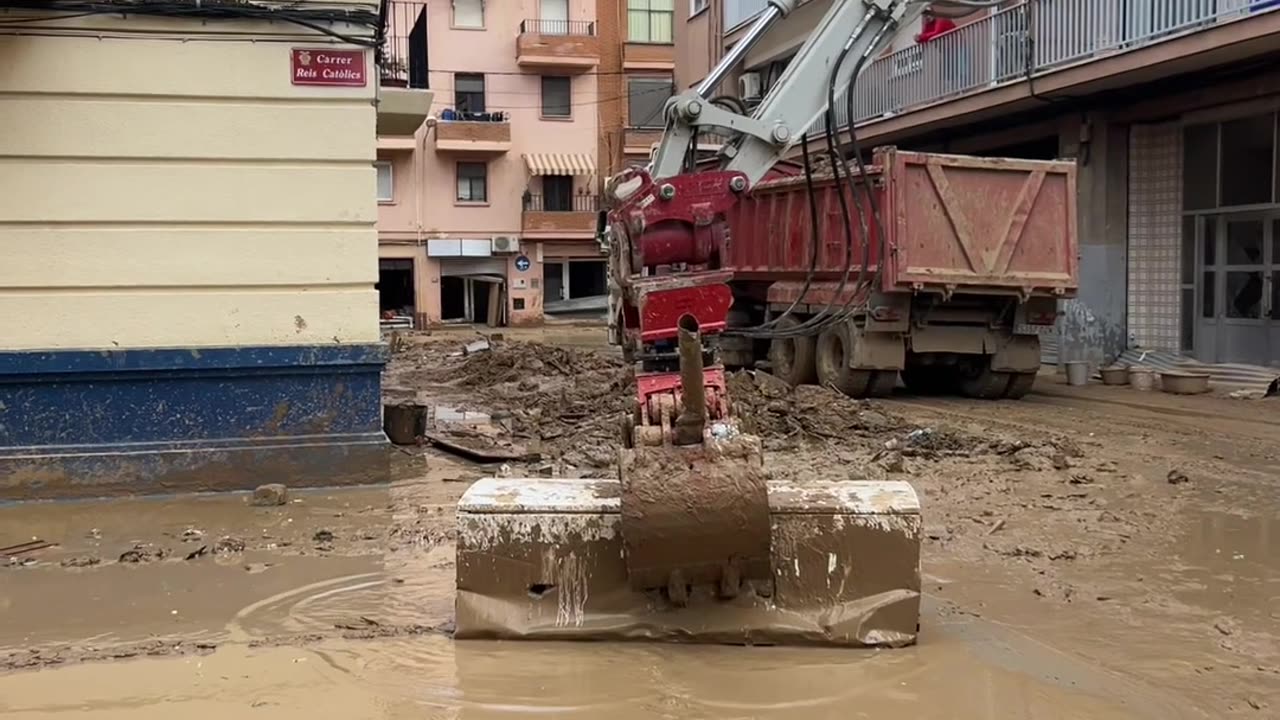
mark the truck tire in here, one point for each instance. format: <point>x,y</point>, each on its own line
<point>984,383</point>
<point>832,366</point>
<point>791,358</point>
<point>1019,385</point>
<point>883,383</point>
<point>737,352</point>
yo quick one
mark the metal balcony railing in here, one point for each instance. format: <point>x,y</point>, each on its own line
<point>1023,41</point>
<point>402,57</point>
<point>573,203</point>
<point>558,27</point>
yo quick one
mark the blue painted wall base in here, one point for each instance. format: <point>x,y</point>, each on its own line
<point>94,423</point>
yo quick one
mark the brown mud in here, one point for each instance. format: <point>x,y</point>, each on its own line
<point>686,509</point>
<point>1065,575</point>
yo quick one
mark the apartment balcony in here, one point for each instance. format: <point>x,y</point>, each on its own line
<point>567,217</point>
<point>560,45</point>
<point>403,97</point>
<point>486,133</point>
<point>654,57</point>
<point>1023,55</point>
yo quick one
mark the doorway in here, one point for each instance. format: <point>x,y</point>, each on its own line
<point>553,281</point>
<point>553,16</point>
<point>395,287</point>
<point>587,278</point>
<point>453,299</point>
<point>1239,288</point>
<point>472,299</point>
<point>557,193</point>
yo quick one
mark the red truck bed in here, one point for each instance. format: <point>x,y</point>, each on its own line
<point>953,223</point>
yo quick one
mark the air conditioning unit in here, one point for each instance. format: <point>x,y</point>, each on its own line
<point>505,244</point>
<point>750,86</point>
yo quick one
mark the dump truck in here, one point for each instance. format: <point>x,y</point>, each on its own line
<point>847,271</point>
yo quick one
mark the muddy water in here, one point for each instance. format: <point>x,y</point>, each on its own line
<point>432,676</point>
<point>292,627</point>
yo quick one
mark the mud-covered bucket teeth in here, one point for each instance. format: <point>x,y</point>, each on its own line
<point>545,559</point>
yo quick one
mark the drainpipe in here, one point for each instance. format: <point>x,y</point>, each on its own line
<point>420,161</point>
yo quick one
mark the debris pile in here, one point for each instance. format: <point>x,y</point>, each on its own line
<point>782,416</point>
<point>544,402</point>
<point>514,361</point>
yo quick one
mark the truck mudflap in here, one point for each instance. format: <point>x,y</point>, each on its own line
<point>544,559</point>
<point>1018,354</point>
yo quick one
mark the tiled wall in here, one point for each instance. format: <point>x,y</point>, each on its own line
<point>1155,215</point>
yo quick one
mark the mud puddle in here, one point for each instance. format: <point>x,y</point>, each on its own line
<point>430,676</point>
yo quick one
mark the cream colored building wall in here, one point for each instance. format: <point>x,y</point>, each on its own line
<point>182,194</point>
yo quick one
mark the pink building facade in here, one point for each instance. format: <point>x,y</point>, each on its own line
<point>488,211</point>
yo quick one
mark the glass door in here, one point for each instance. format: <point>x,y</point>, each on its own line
<point>1239,288</point>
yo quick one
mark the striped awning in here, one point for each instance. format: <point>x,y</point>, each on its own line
<point>560,164</point>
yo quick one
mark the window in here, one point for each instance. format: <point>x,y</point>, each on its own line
<point>1248,154</point>
<point>385,187</point>
<point>556,93</point>
<point>1230,164</point>
<point>650,21</point>
<point>468,92</point>
<point>468,13</point>
<point>1200,167</point>
<point>473,182</point>
<point>646,98</point>
<point>697,6</point>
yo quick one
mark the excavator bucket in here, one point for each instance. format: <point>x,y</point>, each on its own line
<point>552,559</point>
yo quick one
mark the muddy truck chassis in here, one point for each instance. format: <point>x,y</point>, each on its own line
<point>919,265</point>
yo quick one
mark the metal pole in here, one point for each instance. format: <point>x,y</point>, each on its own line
<point>693,416</point>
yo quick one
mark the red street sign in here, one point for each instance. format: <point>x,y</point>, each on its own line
<point>312,66</point>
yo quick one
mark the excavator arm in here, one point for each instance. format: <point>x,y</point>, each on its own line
<point>849,34</point>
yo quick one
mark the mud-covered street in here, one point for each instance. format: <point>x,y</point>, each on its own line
<point>1089,552</point>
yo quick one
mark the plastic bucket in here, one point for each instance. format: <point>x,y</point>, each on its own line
<point>1077,373</point>
<point>1142,378</point>
<point>403,422</point>
<point>1115,376</point>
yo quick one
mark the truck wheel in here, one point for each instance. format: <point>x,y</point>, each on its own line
<point>882,383</point>
<point>792,357</point>
<point>832,364</point>
<point>1019,385</point>
<point>737,352</point>
<point>984,383</point>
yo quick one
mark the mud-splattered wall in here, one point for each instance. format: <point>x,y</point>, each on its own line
<point>1092,327</point>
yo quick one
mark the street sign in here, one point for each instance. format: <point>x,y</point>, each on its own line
<point>321,66</point>
<point>522,263</point>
